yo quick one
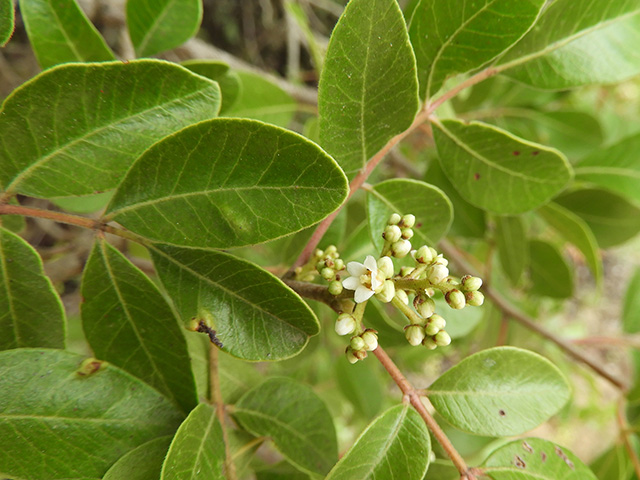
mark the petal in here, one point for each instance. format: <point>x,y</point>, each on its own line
<point>371,264</point>
<point>356,269</point>
<point>376,283</point>
<point>351,283</point>
<point>362,294</point>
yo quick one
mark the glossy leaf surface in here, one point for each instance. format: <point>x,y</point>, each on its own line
<point>55,423</point>
<point>141,463</point>
<point>60,32</point>
<point>431,207</point>
<point>228,80</point>
<point>368,89</point>
<point>396,446</point>
<point>615,168</point>
<point>228,183</point>
<point>513,247</point>
<point>612,218</point>
<point>456,37</point>
<point>575,230</point>
<point>550,274</point>
<point>31,313</point>
<point>75,129</point>
<point>7,21</point>
<point>361,386</point>
<point>127,322</point>
<point>499,391</point>
<point>295,418</point>
<point>497,171</point>
<point>255,315</point>
<point>159,25</point>
<point>578,42</point>
<point>198,449</point>
<point>535,459</point>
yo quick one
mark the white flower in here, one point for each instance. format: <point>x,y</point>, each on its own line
<point>365,279</point>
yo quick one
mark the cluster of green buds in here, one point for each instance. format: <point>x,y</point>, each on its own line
<point>397,235</point>
<point>328,264</point>
<point>363,340</point>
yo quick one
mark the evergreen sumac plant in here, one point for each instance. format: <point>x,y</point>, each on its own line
<point>264,274</point>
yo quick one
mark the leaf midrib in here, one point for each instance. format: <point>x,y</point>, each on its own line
<point>154,25</point>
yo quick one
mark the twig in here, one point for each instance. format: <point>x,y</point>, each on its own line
<point>512,312</point>
<point>624,433</point>
<point>632,341</point>
<point>319,294</point>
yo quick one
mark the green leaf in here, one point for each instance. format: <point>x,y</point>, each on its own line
<point>255,315</point>
<point>228,183</point>
<point>615,168</point>
<point>7,21</point>
<point>228,80</point>
<point>497,171</point>
<point>500,391</point>
<point>31,313</point>
<point>396,446</point>
<point>237,377</point>
<point>128,322</point>
<point>60,32</point>
<point>295,418</point>
<point>456,37</point>
<point>550,274</point>
<point>535,459</point>
<point>61,424</point>
<point>612,219</point>
<point>578,42</point>
<point>262,100</point>
<point>198,448</point>
<point>141,463</point>
<point>513,248</point>
<point>429,204</point>
<point>575,230</point>
<point>614,464</point>
<point>76,129</point>
<point>631,306</point>
<point>84,203</point>
<point>368,90</point>
<point>360,385</point>
<point>159,25</point>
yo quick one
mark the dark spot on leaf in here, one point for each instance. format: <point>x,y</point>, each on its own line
<point>516,153</point>
<point>476,176</point>
<point>101,91</point>
<point>204,328</point>
<point>527,447</point>
<point>564,457</point>
<point>502,413</point>
<point>518,462</point>
<point>535,152</point>
<point>89,367</point>
<point>418,225</point>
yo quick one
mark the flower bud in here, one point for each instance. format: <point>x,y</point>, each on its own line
<point>434,252</point>
<point>309,277</point>
<point>426,308</point>
<point>345,324</point>
<point>440,260</point>
<point>470,284</point>
<point>424,255</point>
<point>327,273</point>
<point>360,354</point>
<point>351,356</point>
<point>320,265</point>
<point>357,343</point>
<point>442,338</point>
<point>335,287</point>
<point>415,334</point>
<point>407,233</point>
<point>455,298</point>
<point>331,251</point>
<point>338,264</point>
<point>392,233</point>
<point>475,299</point>
<point>437,273</point>
<point>370,340</point>
<point>394,219</point>
<point>402,296</point>
<point>400,248</point>
<point>404,271</point>
<point>318,253</point>
<point>429,343</point>
<point>385,266</point>
<point>328,262</point>
<point>408,221</point>
<point>435,323</point>
<point>387,293</point>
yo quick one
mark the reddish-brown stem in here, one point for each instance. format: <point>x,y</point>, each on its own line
<point>416,401</point>
<point>513,313</point>
<point>624,433</point>
<point>632,341</point>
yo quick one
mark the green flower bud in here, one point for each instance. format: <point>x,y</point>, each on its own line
<point>475,299</point>
<point>400,248</point>
<point>402,296</point>
<point>408,221</point>
<point>370,340</point>
<point>331,251</point>
<point>407,233</point>
<point>426,308</point>
<point>357,343</point>
<point>442,338</point>
<point>394,219</point>
<point>329,262</point>
<point>385,266</point>
<point>387,293</point>
<point>429,343</point>
<point>434,252</point>
<point>338,264</point>
<point>309,277</point>
<point>414,334</point>
<point>328,273</point>
<point>318,253</point>
<point>440,260</point>
<point>345,324</point>
<point>471,284</point>
<point>455,299</point>
<point>320,265</point>
<point>435,323</point>
<point>351,357</point>
<point>424,255</point>
<point>404,271</point>
<point>392,233</point>
<point>335,287</point>
<point>437,273</point>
